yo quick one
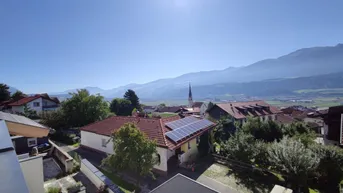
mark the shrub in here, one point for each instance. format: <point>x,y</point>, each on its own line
<point>292,158</point>
<point>329,171</point>
<point>54,190</point>
<point>239,147</point>
<point>74,188</point>
<point>62,137</point>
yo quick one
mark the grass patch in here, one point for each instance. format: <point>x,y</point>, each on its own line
<point>123,185</point>
<point>167,114</point>
<point>322,91</point>
<point>76,144</point>
<point>313,190</point>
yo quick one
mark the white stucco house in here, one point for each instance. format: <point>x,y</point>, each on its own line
<point>182,148</point>
<point>38,103</point>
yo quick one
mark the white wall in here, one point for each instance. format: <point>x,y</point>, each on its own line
<point>94,141</point>
<point>48,102</point>
<point>164,159</point>
<point>170,153</point>
<point>37,109</point>
<point>203,109</point>
<point>32,168</point>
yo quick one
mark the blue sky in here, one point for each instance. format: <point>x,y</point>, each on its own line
<point>57,45</point>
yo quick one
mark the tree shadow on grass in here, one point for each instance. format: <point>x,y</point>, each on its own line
<point>255,180</point>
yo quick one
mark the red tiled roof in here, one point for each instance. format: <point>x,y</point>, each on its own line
<point>154,128</point>
<point>234,109</point>
<point>24,100</point>
<point>284,119</point>
<point>197,104</point>
<point>150,126</point>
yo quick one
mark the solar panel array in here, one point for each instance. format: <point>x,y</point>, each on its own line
<point>102,177</point>
<point>184,131</point>
<point>181,122</point>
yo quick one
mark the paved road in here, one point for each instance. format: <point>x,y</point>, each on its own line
<point>211,183</point>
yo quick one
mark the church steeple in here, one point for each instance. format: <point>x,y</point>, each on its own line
<point>190,97</point>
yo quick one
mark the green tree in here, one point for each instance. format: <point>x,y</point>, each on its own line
<point>18,95</point>
<point>330,169</point>
<point>28,112</point>
<point>266,131</point>
<point>162,105</point>
<point>121,107</point>
<point>54,119</point>
<point>132,151</point>
<point>133,98</point>
<point>82,108</point>
<point>292,158</point>
<point>224,129</point>
<point>4,92</point>
<point>240,147</point>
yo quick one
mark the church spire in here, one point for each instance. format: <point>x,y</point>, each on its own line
<point>190,97</point>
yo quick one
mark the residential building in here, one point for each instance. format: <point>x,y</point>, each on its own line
<point>20,173</point>
<point>333,124</point>
<point>182,184</point>
<point>25,133</point>
<point>171,109</point>
<point>198,108</point>
<point>149,109</point>
<point>240,111</point>
<point>176,138</point>
<point>37,103</point>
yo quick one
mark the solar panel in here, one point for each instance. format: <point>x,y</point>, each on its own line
<point>172,136</point>
<point>181,122</point>
<point>187,129</point>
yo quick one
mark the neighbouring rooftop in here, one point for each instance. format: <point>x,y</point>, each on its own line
<point>241,110</point>
<point>182,184</point>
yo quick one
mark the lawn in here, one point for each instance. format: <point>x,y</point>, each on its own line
<point>163,115</point>
<point>321,91</point>
<point>123,185</point>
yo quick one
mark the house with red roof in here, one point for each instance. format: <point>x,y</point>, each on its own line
<point>38,103</point>
<point>176,138</point>
<point>240,111</point>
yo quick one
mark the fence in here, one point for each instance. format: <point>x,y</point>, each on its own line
<point>62,156</point>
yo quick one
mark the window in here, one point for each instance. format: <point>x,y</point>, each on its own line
<point>270,118</point>
<point>36,104</point>
<point>158,159</point>
<point>103,142</point>
<point>31,142</point>
<point>189,145</point>
<point>198,140</point>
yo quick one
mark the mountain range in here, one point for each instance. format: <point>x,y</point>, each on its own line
<point>284,74</point>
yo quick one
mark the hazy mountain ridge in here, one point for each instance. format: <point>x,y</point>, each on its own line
<point>304,62</point>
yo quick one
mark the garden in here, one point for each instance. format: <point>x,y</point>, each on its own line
<point>261,154</point>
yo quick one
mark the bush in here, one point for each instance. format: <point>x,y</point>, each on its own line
<point>62,137</point>
<point>74,188</point>
<point>291,157</point>
<point>239,146</point>
<point>54,190</point>
<point>329,171</point>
